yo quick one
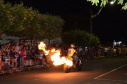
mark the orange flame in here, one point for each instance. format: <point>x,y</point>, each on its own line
<point>42,46</point>
<point>57,60</point>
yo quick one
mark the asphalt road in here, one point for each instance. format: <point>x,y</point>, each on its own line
<point>95,71</point>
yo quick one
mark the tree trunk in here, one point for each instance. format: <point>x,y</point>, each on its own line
<point>34,40</point>
<point>48,41</point>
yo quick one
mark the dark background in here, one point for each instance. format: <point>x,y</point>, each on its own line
<point>109,25</point>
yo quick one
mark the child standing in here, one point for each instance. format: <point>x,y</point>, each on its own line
<point>21,58</point>
<point>41,59</point>
<point>16,62</point>
<point>28,57</point>
<point>7,61</point>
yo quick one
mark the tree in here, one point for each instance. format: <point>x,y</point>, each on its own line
<point>52,25</point>
<point>94,40</point>
<point>12,18</point>
<point>81,38</point>
<point>5,20</point>
<point>30,22</point>
<point>104,2</point>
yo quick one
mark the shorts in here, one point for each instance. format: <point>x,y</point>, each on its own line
<point>37,59</point>
<point>24,57</point>
<point>15,59</point>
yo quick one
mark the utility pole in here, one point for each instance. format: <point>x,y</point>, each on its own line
<point>93,16</point>
<point>91,19</point>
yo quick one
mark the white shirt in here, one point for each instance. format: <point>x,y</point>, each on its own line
<point>41,56</point>
<point>7,59</point>
<point>17,48</point>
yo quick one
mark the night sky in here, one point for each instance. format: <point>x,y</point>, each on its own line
<point>109,25</point>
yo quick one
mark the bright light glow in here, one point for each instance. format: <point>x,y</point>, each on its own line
<point>112,2</point>
<point>115,43</point>
<point>120,42</point>
<point>69,62</point>
<point>42,46</point>
<point>57,60</point>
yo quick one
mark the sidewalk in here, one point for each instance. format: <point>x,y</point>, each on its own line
<point>22,69</point>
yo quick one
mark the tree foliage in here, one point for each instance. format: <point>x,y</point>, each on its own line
<point>123,3</point>
<point>5,20</point>
<point>19,20</point>
<point>81,38</point>
<point>52,25</point>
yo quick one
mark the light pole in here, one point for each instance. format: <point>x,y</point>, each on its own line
<point>95,15</point>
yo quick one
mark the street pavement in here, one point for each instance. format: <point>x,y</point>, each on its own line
<point>95,71</point>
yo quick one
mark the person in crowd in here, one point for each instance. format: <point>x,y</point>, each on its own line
<point>123,51</point>
<point>24,57</point>
<point>41,58</point>
<point>37,58</point>
<point>17,47</point>
<point>16,60</point>
<point>7,61</point>
<point>120,52</point>
<point>28,56</point>
<point>21,41</point>
<point>21,54</point>
<point>33,57</point>
<point>30,45</point>
<point>12,53</point>
<point>3,61</point>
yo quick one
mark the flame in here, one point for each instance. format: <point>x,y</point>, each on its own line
<point>69,62</point>
<point>60,60</point>
<point>57,60</point>
<point>42,46</point>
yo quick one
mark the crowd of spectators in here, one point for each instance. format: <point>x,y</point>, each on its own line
<point>20,54</point>
<point>102,51</point>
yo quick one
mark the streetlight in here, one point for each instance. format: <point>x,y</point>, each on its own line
<point>95,15</point>
<point>112,2</point>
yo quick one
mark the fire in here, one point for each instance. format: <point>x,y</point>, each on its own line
<point>42,46</point>
<point>69,62</point>
<point>60,60</point>
<point>57,60</point>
